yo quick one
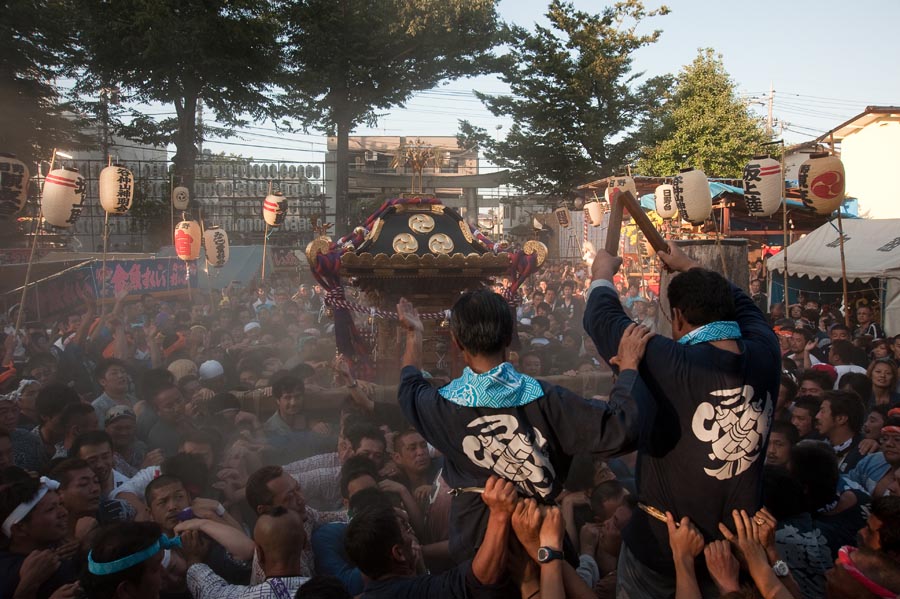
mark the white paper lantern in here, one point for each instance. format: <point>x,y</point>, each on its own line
<point>116,189</point>
<point>274,209</point>
<point>623,183</point>
<point>595,211</point>
<point>692,195</point>
<point>215,243</point>
<point>14,178</point>
<point>665,201</point>
<point>763,185</point>
<point>562,217</point>
<point>181,197</point>
<point>187,240</point>
<point>822,183</point>
<point>63,198</point>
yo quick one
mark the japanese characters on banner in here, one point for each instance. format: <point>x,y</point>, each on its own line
<point>822,183</point>
<point>14,179</point>
<point>215,244</point>
<point>763,186</point>
<point>116,189</point>
<point>562,217</point>
<point>63,197</point>
<point>181,197</point>
<point>664,196</point>
<point>284,258</point>
<point>274,209</point>
<point>692,195</point>
<point>187,240</point>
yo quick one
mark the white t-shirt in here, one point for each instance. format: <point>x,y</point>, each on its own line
<point>844,369</point>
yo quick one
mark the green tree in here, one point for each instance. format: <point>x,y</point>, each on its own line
<point>573,97</point>
<point>223,53</point>
<point>704,125</point>
<point>347,59</point>
<point>34,44</point>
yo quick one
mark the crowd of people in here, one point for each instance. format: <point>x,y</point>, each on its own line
<point>754,451</point>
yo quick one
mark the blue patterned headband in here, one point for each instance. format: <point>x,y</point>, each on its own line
<point>113,567</point>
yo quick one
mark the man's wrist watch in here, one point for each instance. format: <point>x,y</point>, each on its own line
<point>781,569</point>
<point>548,554</point>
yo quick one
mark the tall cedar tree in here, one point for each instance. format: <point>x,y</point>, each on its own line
<point>223,53</point>
<point>704,125</point>
<point>574,97</point>
<point>347,59</point>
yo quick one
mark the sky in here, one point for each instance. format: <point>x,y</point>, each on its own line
<point>826,60</point>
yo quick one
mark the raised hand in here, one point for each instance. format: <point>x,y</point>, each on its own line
<point>500,496</point>
<point>723,567</point>
<point>526,523</point>
<point>675,260</point>
<point>684,539</point>
<point>553,529</point>
<point>409,316</point>
<point>631,347</point>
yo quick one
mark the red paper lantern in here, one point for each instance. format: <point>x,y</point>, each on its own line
<point>187,240</point>
<point>274,209</point>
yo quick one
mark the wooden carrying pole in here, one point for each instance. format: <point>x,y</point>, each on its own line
<point>624,200</point>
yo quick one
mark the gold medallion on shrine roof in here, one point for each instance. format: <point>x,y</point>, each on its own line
<point>405,243</point>
<point>440,243</point>
<point>421,223</point>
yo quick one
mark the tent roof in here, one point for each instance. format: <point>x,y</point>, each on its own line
<point>871,250</point>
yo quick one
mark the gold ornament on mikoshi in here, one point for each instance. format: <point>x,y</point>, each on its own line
<point>562,217</point>
<point>692,195</point>
<point>274,209</point>
<point>763,185</point>
<point>181,198</point>
<point>14,178</point>
<point>421,223</point>
<point>405,243</point>
<point>116,189</point>
<point>187,240</point>
<point>665,201</point>
<point>215,244</point>
<point>822,183</point>
<point>63,198</point>
<point>440,243</point>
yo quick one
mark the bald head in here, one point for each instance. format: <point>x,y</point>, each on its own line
<point>279,537</point>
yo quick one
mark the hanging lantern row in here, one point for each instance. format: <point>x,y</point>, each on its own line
<point>14,178</point>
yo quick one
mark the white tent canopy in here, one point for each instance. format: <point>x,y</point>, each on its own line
<point>871,251</point>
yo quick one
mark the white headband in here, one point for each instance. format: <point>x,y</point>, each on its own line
<point>23,509</point>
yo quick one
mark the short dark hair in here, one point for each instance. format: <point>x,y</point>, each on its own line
<point>818,377</point>
<point>90,438</point>
<point>52,399</point>
<point>323,587</point>
<point>17,487</point>
<point>370,536</point>
<point>788,382</point>
<point>887,509</point>
<point>541,321</point>
<point>364,430</point>
<point>849,404</point>
<point>356,467</point>
<point>787,429</point>
<point>257,491</point>
<point>113,542</point>
<point>858,383</point>
<point>815,466</point>
<point>702,296</point>
<point>605,491</point>
<point>155,380</point>
<point>285,383</point>
<point>105,365</point>
<point>368,498</point>
<point>190,469</point>
<point>74,411</point>
<point>62,471</point>
<point>843,349</point>
<point>808,403</point>
<point>163,480</point>
<point>839,327</point>
<point>482,322</point>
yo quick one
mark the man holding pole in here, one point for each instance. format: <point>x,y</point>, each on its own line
<point>713,386</point>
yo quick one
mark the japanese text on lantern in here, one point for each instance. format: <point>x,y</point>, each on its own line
<point>752,195</point>
<point>679,194</point>
<point>123,196</point>
<point>12,180</point>
<point>80,185</point>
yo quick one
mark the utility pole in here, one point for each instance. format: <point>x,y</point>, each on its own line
<point>771,105</point>
<point>200,126</point>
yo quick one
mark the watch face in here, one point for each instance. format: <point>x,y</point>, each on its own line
<point>543,554</point>
<point>780,568</point>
